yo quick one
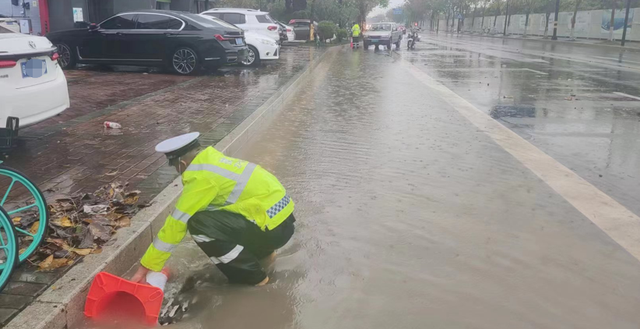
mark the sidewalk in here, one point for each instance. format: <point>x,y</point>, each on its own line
<point>73,153</point>
<point>629,45</point>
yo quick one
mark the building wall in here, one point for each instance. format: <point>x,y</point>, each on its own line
<point>7,9</point>
<point>588,24</point>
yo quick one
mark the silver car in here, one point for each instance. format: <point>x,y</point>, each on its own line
<point>384,33</point>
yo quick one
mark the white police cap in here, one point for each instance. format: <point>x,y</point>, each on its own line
<point>179,145</point>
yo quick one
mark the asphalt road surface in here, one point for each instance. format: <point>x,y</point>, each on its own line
<point>470,183</point>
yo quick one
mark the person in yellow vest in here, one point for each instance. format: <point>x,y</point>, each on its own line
<point>355,33</point>
<point>237,212</point>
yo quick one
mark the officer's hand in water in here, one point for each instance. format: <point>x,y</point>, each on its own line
<point>141,275</point>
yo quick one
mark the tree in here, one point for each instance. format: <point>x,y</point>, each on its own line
<point>573,19</point>
<point>365,6</point>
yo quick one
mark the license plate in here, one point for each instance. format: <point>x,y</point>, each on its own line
<point>374,40</point>
<point>239,41</point>
<point>34,68</point>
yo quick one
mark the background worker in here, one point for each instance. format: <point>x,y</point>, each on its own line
<point>355,34</point>
<point>236,211</point>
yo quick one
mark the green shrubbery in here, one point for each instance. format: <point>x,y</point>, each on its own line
<point>326,30</point>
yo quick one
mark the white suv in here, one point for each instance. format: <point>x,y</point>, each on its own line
<point>248,20</point>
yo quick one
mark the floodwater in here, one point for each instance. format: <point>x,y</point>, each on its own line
<point>411,217</point>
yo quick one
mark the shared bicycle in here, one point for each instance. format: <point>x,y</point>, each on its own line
<point>23,220</point>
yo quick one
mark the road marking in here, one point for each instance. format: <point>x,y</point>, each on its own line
<point>537,72</point>
<point>626,95</point>
<point>492,69</point>
<point>614,219</point>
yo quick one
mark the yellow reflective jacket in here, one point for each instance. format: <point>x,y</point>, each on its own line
<point>355,30</point>
<point>214,181</point>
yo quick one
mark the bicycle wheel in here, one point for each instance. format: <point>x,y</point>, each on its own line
<point>26,206</point>
<point>8,248</point>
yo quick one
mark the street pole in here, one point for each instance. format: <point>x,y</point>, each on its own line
<point>506,19</point>
<point>555,21</point>
<point>626,21</point>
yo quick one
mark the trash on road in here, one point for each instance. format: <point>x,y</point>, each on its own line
<point>112,125</point>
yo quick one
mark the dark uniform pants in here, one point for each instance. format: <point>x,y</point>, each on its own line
<point>235,244</point>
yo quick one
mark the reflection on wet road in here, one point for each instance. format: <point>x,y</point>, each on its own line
<point>410,216</point>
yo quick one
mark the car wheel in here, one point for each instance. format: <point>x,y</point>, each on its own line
<point>184,61</point>
<point>66,57</point>
<point>253,57</point>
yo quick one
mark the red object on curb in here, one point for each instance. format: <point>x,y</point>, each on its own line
<point>111,296</point>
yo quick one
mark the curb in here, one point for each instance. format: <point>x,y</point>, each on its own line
<point>62,304</point>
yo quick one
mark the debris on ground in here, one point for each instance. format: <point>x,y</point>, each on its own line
<point>112,125</point>
<point>82,224</point>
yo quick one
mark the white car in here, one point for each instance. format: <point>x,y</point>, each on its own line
<point>248,20</point>
<point>291,35</point>
<point>260,48</point>
<point>32,85</point>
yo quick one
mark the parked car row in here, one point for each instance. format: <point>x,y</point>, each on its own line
<point>181,42</point>
<point>33,86</point>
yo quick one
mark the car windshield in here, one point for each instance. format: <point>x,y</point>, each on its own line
<point>381,27</point>
<point>208,20</point>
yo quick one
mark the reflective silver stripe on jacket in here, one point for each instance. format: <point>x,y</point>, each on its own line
<point>241,183</point>
<point>163,246</point>
<point>240,179</point>
<point>181,216</point>
<point>276,208</point>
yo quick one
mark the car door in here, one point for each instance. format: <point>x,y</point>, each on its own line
<point>117,45</point>
<point>94,45</point>
<point>150,39</point>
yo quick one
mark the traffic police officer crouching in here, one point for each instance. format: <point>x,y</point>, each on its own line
<point>236,211</point>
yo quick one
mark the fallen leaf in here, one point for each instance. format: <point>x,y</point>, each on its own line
<point>123,221</point>
<point>130,200</point>
<point>63,222</point>
<point>96,251</point>
<point>34,228</point>
<point>81,252</point>
<point>54,288</point>
<point>87,240</point>
<point>45,264</point>
<point>100,230</point>
<point>16,220</point>
<point>57,242</point>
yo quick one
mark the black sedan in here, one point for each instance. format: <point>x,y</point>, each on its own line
<point>181,42</point>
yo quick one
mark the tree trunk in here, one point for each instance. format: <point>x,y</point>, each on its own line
<point>573,20</point>
<point>446,24</point>
<point>432,18</point>
<point>473,19</point>
<point>484,8</point>
<point>526,24</point>
<point>546,22</point>
<point>613,18</point>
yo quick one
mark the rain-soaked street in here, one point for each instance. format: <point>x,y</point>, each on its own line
<point>471,183</point>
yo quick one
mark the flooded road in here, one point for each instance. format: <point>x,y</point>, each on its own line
<point>413,214</point>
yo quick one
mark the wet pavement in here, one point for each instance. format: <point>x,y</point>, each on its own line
<point>583,112</point>
<point>415,213</point>
<point>72,153</point>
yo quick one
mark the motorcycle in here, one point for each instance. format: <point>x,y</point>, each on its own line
<point>411,40</point>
